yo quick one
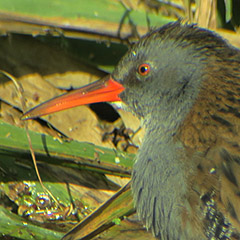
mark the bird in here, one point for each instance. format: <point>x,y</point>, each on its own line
<point>183,82</point>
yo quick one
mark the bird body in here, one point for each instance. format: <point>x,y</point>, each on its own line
<point>190,105</point>
<point>184,83</point>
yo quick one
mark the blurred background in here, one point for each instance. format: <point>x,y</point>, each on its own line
<point>84,154</point>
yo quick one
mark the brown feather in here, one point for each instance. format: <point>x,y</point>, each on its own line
<point>212,131</point>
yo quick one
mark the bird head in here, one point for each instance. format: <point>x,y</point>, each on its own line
<point>159,76</point>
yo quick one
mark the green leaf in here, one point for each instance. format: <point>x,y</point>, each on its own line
<point>13,142</point>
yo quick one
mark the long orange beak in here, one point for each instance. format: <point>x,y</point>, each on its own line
<point>104,90</point>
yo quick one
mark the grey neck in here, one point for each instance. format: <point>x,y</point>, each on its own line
<point>159,177</point>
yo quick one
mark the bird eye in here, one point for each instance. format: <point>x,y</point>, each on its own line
<point>144,69</point>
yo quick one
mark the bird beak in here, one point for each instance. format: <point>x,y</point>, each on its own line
<point>104,90</point>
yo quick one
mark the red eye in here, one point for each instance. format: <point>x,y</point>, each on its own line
<point>144,69</point>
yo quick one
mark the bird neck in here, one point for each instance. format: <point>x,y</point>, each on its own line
<point>164,120</point>
<point>159,179</point>
<point>159,175</point>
